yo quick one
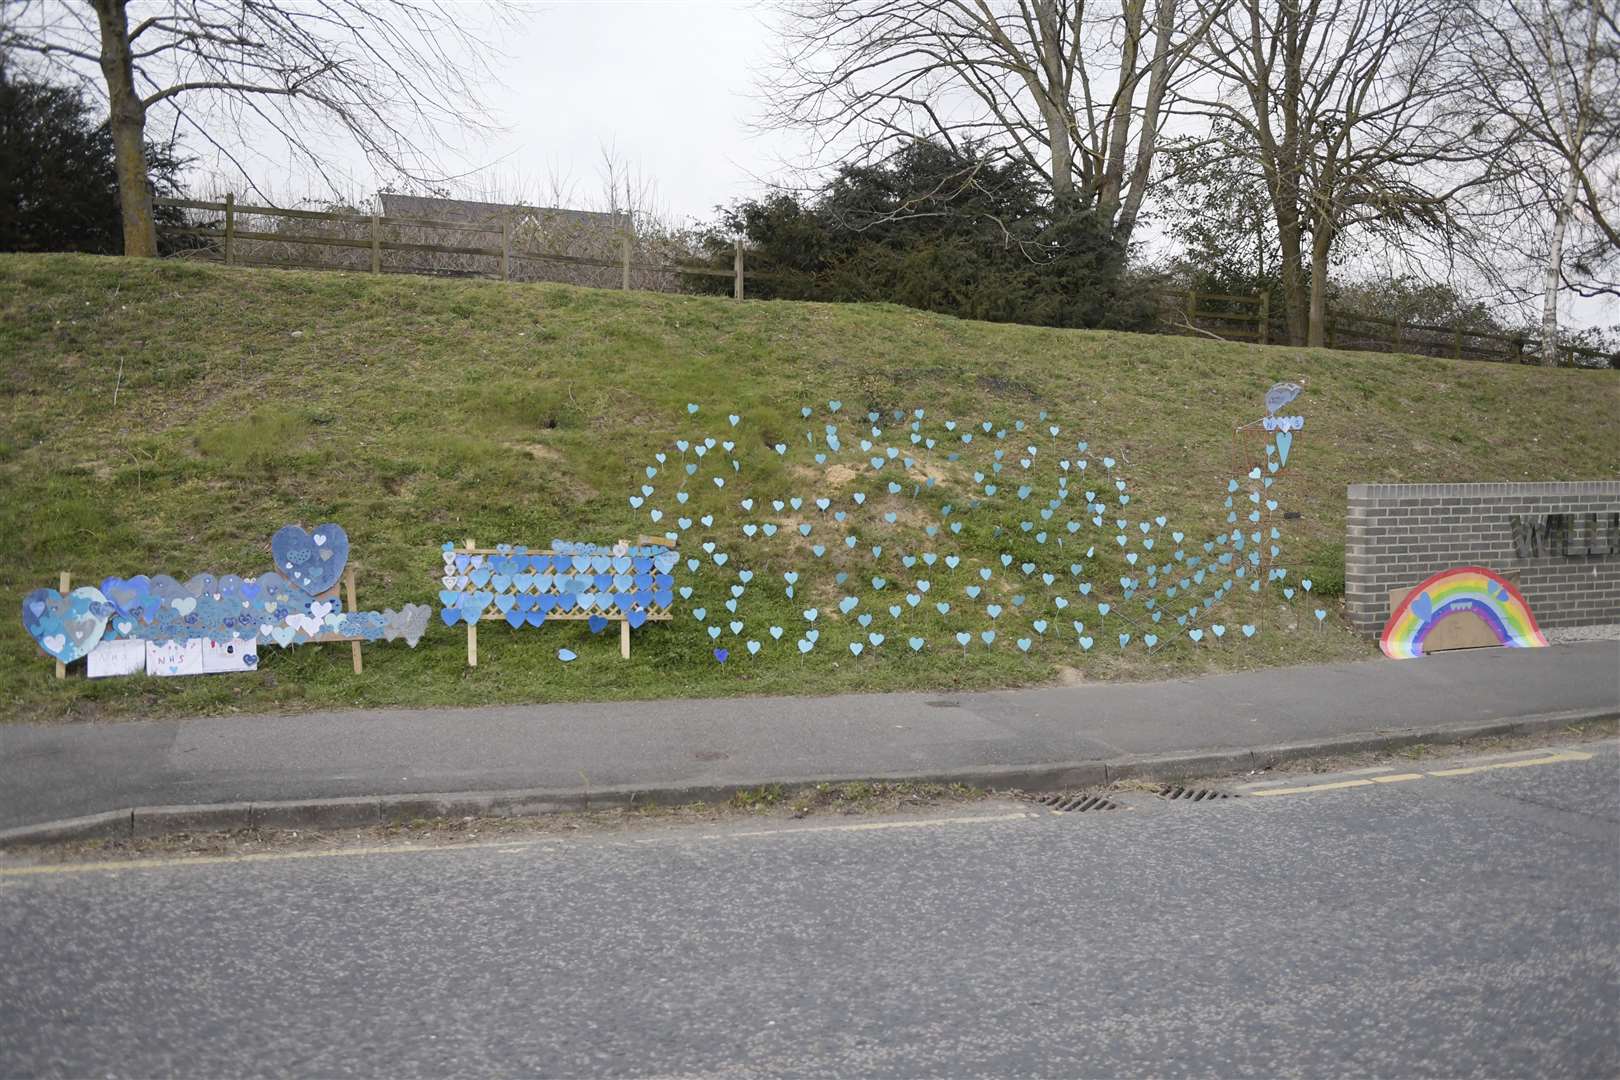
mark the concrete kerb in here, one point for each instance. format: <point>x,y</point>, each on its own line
<point>398,809</point>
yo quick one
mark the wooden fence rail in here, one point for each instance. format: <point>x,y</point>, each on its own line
<point>1225,316</point>
<point>1184,311</point>
<point>229,237</point>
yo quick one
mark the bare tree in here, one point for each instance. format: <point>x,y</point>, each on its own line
<point>1548,73</point>
<point>1345,108</point>
<point>1078,91</point>
<point>390,75</point>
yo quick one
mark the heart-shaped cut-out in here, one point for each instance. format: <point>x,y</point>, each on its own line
<point>66,627</point>
<point>410,622</point>
<point>314,560</point>
<point>132,598</point>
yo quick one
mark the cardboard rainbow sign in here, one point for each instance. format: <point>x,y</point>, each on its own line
<point>1472,589</point>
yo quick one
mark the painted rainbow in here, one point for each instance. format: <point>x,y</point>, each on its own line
<point>1464,588</point>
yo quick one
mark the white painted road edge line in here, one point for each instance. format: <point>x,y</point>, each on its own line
<point>1339,785</point>
<point>869,826</point>
<point>507,845</point>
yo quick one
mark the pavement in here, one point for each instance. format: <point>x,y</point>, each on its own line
<point>1459,919</point>
<point>361,767</point>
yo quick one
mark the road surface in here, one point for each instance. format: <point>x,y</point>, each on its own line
<point>1456,925</point>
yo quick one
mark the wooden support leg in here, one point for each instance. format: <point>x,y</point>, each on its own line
<point>472,628</point>
<point>63,584</point>
<point>624,638</point>
<point>354,646</point>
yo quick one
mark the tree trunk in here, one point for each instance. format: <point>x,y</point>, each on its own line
<point>1552,278</point>
<point>1118,133</point>
<point>1285,169</point>
<point>1062,154</point>
<point>1566,204</point>
<point>1290,268</point>
<point>1048,93</point>
<point>1136,185</point>
<point>1321,244</point>
<point>126,119</point>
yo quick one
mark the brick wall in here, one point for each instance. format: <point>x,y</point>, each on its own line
<point>1562,540</point>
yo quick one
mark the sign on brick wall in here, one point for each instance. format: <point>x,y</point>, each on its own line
<point>1549,535</point>
<point>1559,541</point>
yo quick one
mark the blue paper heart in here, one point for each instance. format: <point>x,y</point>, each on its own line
<point>66,627</point>
<point>313,561</point>
<point>133,598</point>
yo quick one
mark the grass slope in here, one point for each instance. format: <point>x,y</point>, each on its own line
<point>165,417</point>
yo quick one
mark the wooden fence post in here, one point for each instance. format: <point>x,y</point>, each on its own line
<point>348,586</point>
<point>376,246</point>
<point>1457,342</point>
<point>506,248</point>
<point>624,242</point>
<point>230,227</point>
<point>1192,307</point>
<point>1264,329</point>
<point>737,270</point>
<point>63,582</point>
<point>472,629</point>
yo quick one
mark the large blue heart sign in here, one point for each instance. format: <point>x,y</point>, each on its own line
<point>66,627</point>
<point>314,560</point>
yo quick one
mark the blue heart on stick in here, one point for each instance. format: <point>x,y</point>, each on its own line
<point>313,561</point>
<point>66,627</point>
<point>1285,440</point>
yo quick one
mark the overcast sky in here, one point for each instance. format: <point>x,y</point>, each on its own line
<point>668,84</point>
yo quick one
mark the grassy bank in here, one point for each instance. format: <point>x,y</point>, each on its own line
<point>167,418</point>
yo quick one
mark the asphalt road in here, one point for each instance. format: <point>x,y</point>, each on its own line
<point>1441,926</point>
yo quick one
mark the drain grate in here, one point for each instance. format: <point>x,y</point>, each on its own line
<point>1065,803</point>
<point>1191,794</point>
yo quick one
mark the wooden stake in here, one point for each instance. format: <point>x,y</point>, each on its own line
<point>230,228</point>
<point>624,638</point>
<point>348,583</point>
<point>506,248</point>
<point>63,583</point>
<point>472,627</point>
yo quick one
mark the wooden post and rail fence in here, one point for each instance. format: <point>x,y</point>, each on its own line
<point>228,239</point>
<point>1247,317</point>
<point>1226,316</point>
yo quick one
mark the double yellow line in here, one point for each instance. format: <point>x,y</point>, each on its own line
<point>1398,778</point>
